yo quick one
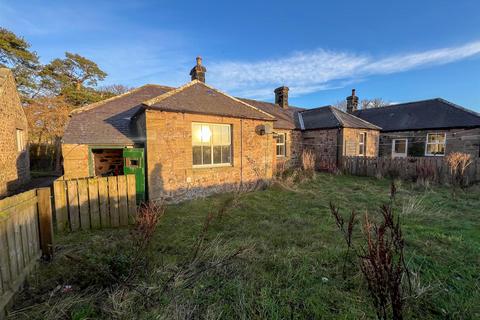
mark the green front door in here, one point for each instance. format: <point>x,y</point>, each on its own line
<point>134,164</point>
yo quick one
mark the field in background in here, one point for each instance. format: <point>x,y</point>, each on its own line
<point>290,265</point>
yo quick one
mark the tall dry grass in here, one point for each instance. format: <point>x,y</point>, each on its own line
<point>458,163</point>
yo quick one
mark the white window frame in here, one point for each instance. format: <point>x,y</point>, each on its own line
<point>399,155</point>
<point>213,165</point>
<point>427,143</point>
<point>362,142</point>
<point>20,138</point>
<point>284,144</point>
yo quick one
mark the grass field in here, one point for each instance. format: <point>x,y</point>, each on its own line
<point>290,265</point>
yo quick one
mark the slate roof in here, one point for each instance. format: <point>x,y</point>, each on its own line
<point>329,117</point>
<point>427,114</point>
<point>108,121</point>
<point>200,98</point>
<point>286,118</point>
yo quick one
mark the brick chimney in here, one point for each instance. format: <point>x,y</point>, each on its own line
<point>352,102</point>
<point>198,72</point>
<point>281,97</point>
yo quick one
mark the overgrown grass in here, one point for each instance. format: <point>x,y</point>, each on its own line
<point>292,267</point>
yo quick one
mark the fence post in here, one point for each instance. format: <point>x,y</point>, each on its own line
<point>45,222</point>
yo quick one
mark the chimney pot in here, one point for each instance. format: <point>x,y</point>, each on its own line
<point>198,71</point>
<point>281,97</point>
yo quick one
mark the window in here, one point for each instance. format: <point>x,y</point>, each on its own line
<point>21,146</point>
<point>211,144</point>
<point>435,144</point>
<point>281,150</point>
<point>361,143</point>
<point>399,148</point>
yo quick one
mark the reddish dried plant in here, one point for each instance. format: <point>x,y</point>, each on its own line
<point>381,257</point>
<point>146,221</point>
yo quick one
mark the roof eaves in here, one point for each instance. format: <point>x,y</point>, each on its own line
<point>334,111</point>
<point>300,120</point>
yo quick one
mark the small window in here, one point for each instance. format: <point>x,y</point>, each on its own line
<point>362,139</point>
<point>399,148</point>
<point>211,144</point>
<point>435,144</point>
<point>21,146</point>
<point>281,150</point>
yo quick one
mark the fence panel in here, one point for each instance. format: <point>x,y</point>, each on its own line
<point>95,202</point>
<point>25,232</point>
<point>410,168</point>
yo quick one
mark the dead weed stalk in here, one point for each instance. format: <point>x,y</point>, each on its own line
<point>380,257</point>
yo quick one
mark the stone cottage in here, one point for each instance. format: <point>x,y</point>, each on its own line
<point>332,134</point>
<point>14,159</point>
<point>195,140</point>
<point>425,128</point>
<point>180,142</point>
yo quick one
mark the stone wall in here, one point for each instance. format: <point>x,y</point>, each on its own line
<point>293,141</point>
<point>325,145</point>
<point>350,142</point>
<point>458,140</point>
<point>15,165</point>
<point>171,174</point>
<point>329,144</point>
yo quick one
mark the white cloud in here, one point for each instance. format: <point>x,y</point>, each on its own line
<point>307,72</point>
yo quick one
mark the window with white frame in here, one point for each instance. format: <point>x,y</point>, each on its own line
<point>211,144</point>
<point>281,150</point>
<point>21,146</point>
<point>362,139</point>
<point>435,144</point>
<point>399,148</point>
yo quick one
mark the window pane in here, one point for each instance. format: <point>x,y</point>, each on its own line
<point>226,154</point>
<point>206,135</point>
<point>361,150</point>
<point>197,155</point>
<point>207,154</point>
<point>400,146</point>
<point>280,138</point>
<point>217,154</point>
<point>196,134</point>
<point>217,135</point>
<point>226,135</point>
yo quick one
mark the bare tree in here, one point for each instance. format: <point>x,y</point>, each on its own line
<point>373,103</point>
<point>114,89</point>
<point>341,105</point>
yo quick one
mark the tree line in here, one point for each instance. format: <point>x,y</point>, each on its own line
<point>50,91</point>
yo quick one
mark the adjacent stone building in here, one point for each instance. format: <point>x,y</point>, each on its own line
<point>331,134</point>
<point>427,128</point>
<point>14,159</point>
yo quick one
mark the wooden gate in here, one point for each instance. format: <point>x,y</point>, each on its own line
<point>25,234</point>
<point>94,203</point>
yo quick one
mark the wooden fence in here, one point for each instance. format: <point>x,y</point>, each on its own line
<point>93,203</point>
<point>25,234</point>
<point>411,168</point>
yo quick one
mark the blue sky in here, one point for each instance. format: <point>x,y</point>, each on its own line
<point>397,50</point>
